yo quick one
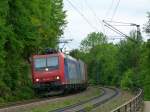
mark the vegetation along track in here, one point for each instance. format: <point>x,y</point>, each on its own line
<point>108,94</point>
<point>13,106</point>
<point>30,104</point>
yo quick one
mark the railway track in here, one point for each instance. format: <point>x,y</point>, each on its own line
<point>15,106</point>
<point>107,94</point>
<point>17,103</point>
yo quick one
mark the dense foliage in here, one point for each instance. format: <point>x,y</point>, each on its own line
<point>26,27</point>
<point>124,64</point>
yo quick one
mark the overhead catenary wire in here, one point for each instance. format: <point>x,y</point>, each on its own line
<point>113,29</point>
<point>117,31</point>
<point>93,12</point>
<point>82,15</point>
<point>98,19</point>
<point>110,7</point>
<point>119,22</point>
<point>107,13</point>
<point>115,10</point>
<point>115,38</point>
<point>120,33</point>
<point>121,25</point>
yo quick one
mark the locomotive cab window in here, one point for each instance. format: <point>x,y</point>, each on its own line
<point>39,63</point>
<point>49,62</point>
<point>52,62</point>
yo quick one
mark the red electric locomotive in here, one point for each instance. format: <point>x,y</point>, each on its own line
<point>58,71</point>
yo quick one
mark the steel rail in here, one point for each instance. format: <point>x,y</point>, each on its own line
<point>38,99</point>
<point>94,105</point>
<point>77,104</point>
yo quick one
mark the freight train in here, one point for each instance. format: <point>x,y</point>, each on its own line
<point>56,71</point>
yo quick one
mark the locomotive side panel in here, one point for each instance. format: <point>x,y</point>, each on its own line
<point>71,71</point>
<point>83,71</point>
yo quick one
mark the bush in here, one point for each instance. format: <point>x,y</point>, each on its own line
<point>2,101</point>
<point>127,82</point>
<point>147,92</point>
<point>4,90</point>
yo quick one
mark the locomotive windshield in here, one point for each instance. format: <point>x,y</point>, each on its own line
<point>49,62</point>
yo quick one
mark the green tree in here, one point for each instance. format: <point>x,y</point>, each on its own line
<point>92,40</point>
<point>75,53</point>
<point>144,69</point>
<point>144,62</point>
<point>4,33</point>
<point>129,56</point>
<point>147,25</point>
<point>26,27</point>
<point>127,82</point>
<point>100,57</point>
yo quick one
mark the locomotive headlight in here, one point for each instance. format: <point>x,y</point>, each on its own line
<point>57,77</point>
<point>46,69</point>
<point>37,80</point>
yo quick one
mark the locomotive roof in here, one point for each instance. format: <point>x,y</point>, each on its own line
<point>70,57</point>
<point>42,55</point>
<point>56,54</point>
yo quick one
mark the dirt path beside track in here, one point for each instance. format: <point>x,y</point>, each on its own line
<point>147,106</point>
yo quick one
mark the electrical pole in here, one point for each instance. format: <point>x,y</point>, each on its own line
<point>64,42</point>
<point>111,27</point>
<point>138,31</point>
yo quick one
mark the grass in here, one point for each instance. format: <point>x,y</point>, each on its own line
<point>92,92</point>
<point>88,107</point>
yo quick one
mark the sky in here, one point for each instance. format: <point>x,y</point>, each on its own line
<point>85,16</point>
